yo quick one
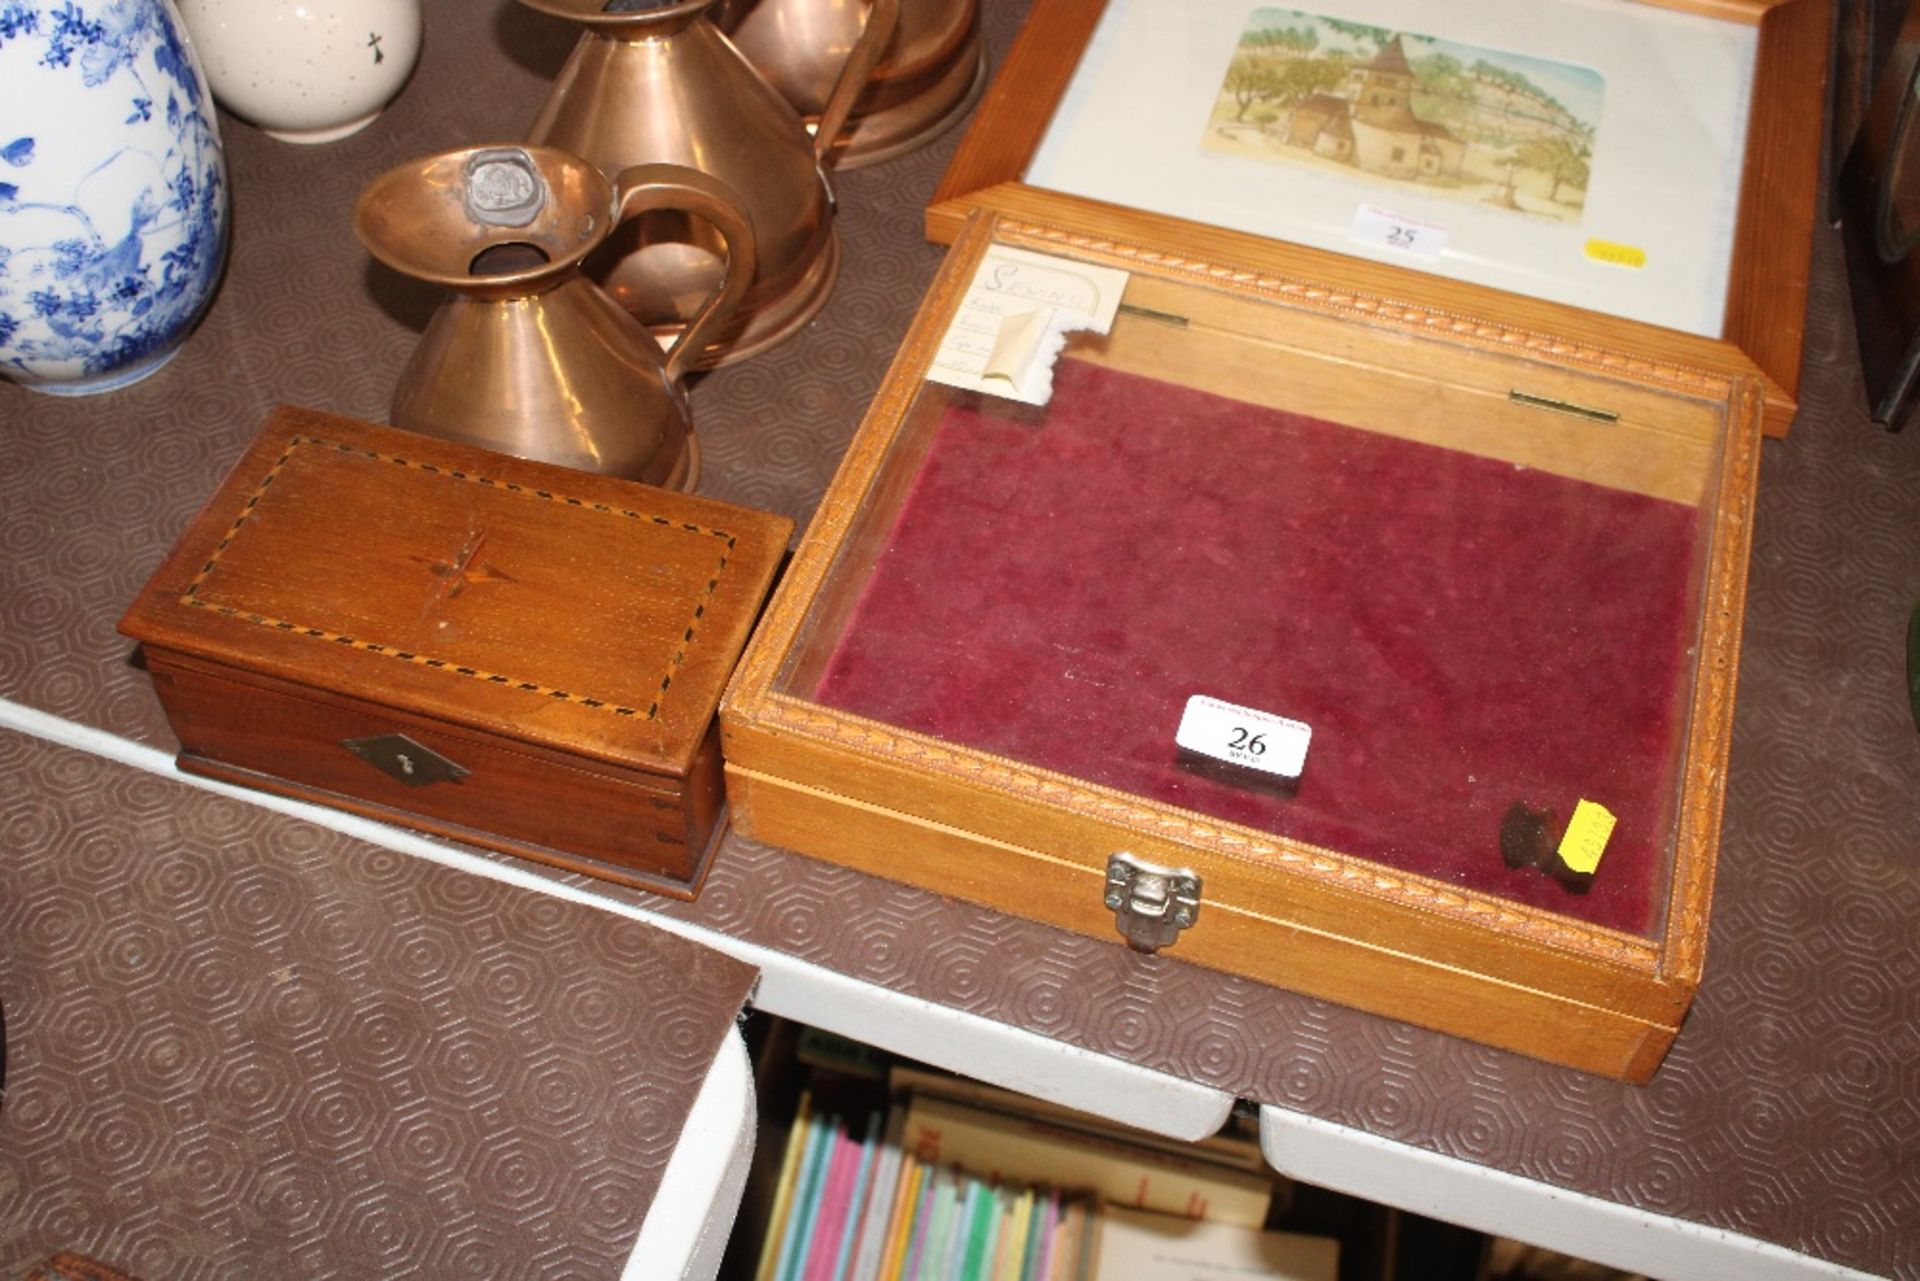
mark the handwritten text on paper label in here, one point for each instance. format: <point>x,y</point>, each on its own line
<point>1015,319</point>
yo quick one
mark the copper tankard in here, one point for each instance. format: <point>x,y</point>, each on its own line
<point>928,76</point>
<point>655,81</point>
<point>528,357</point>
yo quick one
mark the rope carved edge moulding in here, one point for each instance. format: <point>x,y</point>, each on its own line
<point>1244,845</point>
<point>1711,720</point>
<point>1328,300</point>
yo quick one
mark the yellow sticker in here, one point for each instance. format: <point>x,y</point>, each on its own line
<point>1618,255</point>
<point>1586,838</point>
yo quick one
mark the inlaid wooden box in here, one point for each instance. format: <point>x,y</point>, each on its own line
<point>1492,581</point>
<point>512,654</point>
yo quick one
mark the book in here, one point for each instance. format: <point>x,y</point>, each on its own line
<point>1225,1149</point>
<point>922,1219</point>
<point>830,1211</point>
<point>946,1209</point>
<point>1032,1150</point>
<point>857,1199</point>
<point>1049,1227</point>
<point>973,1204</point>
<point>821,1049</point>
<point>879,1210</point>
<point>965,1263</point>
<point>1076,1246</point>
<point>784,1189</point>
<point>900,1232</point>
<point>1011,1261</point>
<point>1141,1246</point>
<point>856,1210</point>
<point>814,1137</point>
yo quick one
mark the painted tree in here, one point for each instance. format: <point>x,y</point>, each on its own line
<point>1377,36</point>
<point>1250,81</point>
<point>1512,85</point>
<point>1443,94</point>
<point>1301,80</point>
<point>1439,73</point>
<point>1298,41</point>
<point>1563,162</point>
<point>1301,40</point>
<point>1496,76</point>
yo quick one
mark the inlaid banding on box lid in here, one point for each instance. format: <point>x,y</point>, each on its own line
<point>448,577</point>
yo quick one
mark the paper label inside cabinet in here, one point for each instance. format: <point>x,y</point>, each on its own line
<point>1373,225</point>
<point>1244,736</point>
<point>1586,838</point>
<point>1015,319</point>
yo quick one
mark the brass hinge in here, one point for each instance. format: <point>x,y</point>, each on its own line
<point>1148,313</point>
<point>1551,405</point>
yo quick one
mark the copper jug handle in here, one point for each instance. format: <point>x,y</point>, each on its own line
<point>643,188</point>
<point>883,16</point>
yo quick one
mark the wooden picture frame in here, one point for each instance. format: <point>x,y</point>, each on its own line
<point>1763,328</point>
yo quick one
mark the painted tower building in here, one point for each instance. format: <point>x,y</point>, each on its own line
<point>1371,124</point>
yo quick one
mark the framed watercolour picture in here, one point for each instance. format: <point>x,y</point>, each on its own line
<point>1637,176</point>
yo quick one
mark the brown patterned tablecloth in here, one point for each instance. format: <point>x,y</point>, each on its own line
<point>1790,1107</point>
<point>244,1046</point>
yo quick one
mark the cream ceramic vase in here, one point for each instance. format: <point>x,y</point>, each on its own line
<point>306,71</point>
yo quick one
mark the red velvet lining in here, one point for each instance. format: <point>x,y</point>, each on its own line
<point>1460,633</point>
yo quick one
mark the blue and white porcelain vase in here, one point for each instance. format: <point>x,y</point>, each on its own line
<point>113,191</point>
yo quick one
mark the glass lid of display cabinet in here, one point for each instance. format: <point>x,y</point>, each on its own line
<point>1407,601</point>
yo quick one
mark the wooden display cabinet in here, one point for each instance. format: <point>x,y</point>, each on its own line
<point>1494,581</point>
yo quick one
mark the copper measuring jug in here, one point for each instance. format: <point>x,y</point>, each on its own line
<point>655,81</point>
<point>928,76</point>
<point>528,357</point>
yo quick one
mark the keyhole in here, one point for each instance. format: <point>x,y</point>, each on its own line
<point>406,762</point>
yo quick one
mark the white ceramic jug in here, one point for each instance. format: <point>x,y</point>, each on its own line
<point>306,71</point>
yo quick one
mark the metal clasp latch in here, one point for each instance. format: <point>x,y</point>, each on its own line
<point>1151,904</point>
